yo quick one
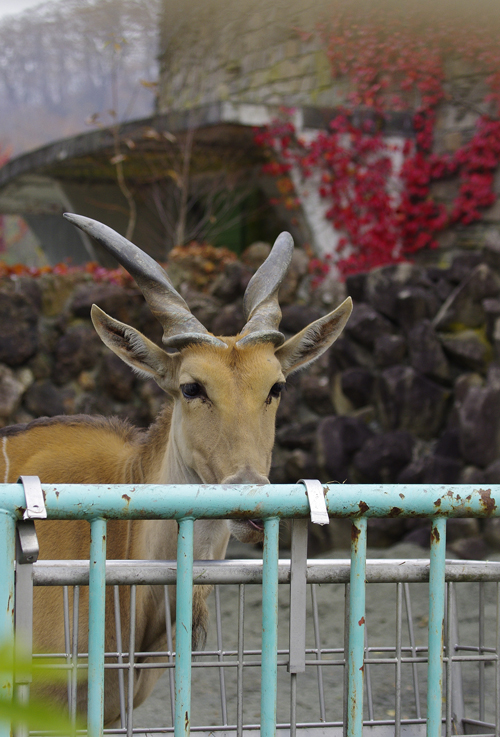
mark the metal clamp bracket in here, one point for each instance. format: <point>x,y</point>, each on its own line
<point>317,504</point>
<point>35,503</point>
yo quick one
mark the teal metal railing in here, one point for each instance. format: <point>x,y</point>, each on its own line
<point>187,503</point>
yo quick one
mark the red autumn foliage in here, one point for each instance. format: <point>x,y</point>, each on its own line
<point>394,62</point>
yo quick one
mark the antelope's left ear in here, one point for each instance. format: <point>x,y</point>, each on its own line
<point>315,339</point>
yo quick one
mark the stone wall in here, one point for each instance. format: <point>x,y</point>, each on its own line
<point>217,50</point>
<point>410,393</point>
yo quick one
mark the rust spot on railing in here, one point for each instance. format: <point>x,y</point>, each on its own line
<point>361,621</point>
<point>437,503</point>
<point>487,502</point>
<point>363,507</point>
<point>126,497</point>
<point>435,537</point>
<point>186,722</point>
<point>354,534</point>
<point>395,512</point>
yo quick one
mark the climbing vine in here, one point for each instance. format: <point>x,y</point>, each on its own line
<point>379,195</point>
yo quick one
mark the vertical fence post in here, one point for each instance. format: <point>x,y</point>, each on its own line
<point>269,628</point>
<point>97,601</point>
<point>436,626</point>
<point>7,556</point>
<point>183,628</point>
<point>355,662</point>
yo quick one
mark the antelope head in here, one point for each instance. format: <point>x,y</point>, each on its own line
<point>225,390</point>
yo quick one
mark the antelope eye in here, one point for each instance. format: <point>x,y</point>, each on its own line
<point>276,390</point>
<point>191,391</point>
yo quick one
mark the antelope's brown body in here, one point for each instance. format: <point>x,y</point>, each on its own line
<point>218,427</point>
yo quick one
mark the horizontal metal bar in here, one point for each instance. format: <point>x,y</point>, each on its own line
<point>126,572</point>
<point>148,501</point>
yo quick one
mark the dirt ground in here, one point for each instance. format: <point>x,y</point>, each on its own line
<point>207,704</point>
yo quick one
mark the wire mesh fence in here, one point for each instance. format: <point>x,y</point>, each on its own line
<point>226,674</point>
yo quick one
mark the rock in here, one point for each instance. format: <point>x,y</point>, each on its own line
<point>41,365</point>
<point>492,473</point>
<point>297,317</point>
<point>116,378</point>
<point>229,320</point>
<point>462,265</point>
<point>406,400</point>
<point>496,338</point>
<point>413,304</point>
<point>25,376</point>
<point>316,393</point>
<point>448,444</point>
<point>297,435</point>
<point>491,308</point>
<point>357,385</point>
<point>277,473</point>
<point>384,284</point>
<point>232,283</point>
<point>469,348</point>
<point>346,353</point>
<point>470,548</point>
<point>76,351</point>
<point>113,299</point>
<point>426,353</point>
<point>441,470</point>
<point>432,469</point>
<point>289,404</point>
<point>472,475</point>
<point>300,465</point>
<point>30,288</point>
<point>493,375</point>
<point>325,538</point>
<point>356,285</point>
<point>491,249</point>
<point>413,473</point>
<point>328,295</point>
<point>204,307</point>
<point>255,255</point>
<point>479,425</point>
<point>298,268</point>
<point>464,383</point>
<point>457,528</point>
<point>442,289</point>
<point>18,328</point>
<point>43,399</point>
<point>338,438</point>
<point>365,325</point>
<point>389,350</point>
<point>11,391</point>
<point>419,533</point>
<point>464,305</point>
<point>382,457</point>
<point>57,290</point>
<point>382,533</point>
<point>491,532</point>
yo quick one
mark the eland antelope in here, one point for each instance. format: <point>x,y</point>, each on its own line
<point>217,428</point>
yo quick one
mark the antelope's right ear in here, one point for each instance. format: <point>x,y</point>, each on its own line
<point>144,356</point>
<point>315,339</point>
